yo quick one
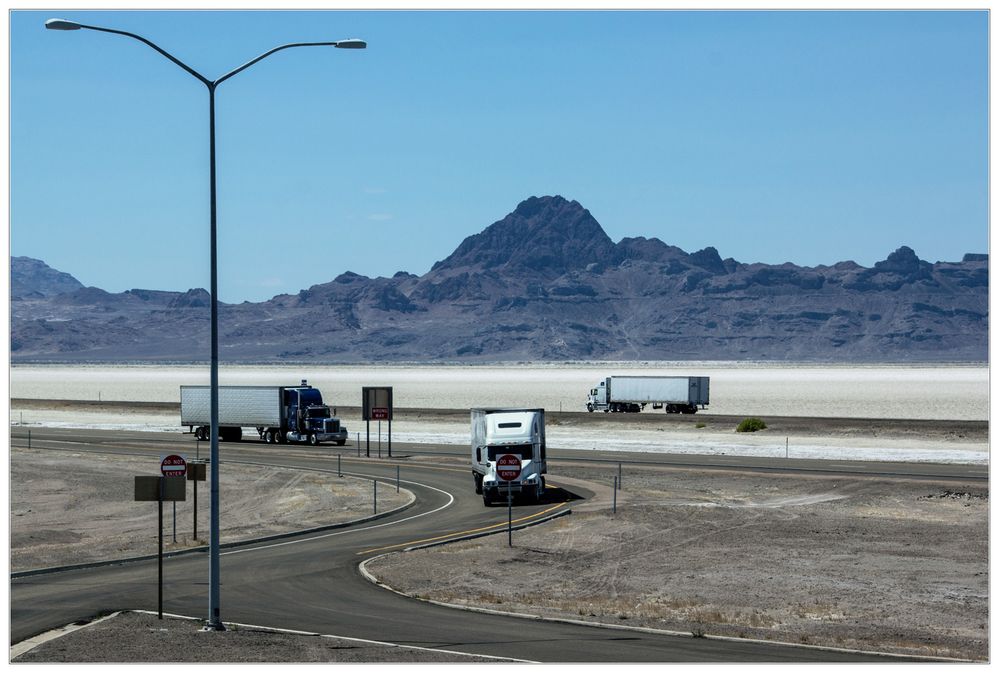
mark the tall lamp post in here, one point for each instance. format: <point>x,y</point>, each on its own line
<point>214,622</point>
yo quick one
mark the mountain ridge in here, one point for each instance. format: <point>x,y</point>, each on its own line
<point>543,283</point>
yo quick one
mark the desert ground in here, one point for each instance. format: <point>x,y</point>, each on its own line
<point>878,564</point>
<point>897,566</point>
<point>77,508</point>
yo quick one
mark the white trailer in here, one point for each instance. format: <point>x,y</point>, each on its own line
<point>498,432</point>
<point>279,413</point>
<point>675,394</point>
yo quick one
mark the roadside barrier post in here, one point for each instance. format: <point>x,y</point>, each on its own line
<point>509,516</point>
<point>375,482</point>
<point>396,478</point>
<point>359,445</point>
<point>615,495</point>
<point>618,477</point>
<point>338,472</point>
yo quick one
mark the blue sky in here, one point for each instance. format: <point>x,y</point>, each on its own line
<point>811,137</point>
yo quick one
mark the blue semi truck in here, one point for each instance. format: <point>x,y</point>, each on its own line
<point>278,413</point>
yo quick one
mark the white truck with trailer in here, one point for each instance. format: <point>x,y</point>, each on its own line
<point>279,413</point>
<point>499,432</point>
<point>630,394</point>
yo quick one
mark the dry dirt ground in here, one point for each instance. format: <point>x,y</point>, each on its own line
<point>141,637</point>
<point>883,565</point>
<point>880,565</point>
<point>75,508</point>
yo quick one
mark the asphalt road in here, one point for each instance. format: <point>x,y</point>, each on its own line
<point>312,582</point>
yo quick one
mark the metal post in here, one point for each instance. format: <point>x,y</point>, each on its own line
<point>787,444</point>
<point>339,473</point>
<point>29,439</point>
<point>615,495</point>
<point>390,436</point>
<point>359,445</point>
<point>379,438</point>
<point>367,448</point>
<point>375,482</point>
<point>160,555</point>
<point>396,478</point>
<point>214,556</point>
<point>175,522</point>
<point>618,477</point>
<point>509,510</point>
<point>195,536</point>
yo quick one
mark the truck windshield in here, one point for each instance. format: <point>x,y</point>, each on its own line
<point>525,451</point>
<point>318,412</point>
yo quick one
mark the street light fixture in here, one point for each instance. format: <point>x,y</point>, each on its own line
<point>214,622</point>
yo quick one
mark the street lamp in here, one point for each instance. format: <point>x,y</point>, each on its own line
<point>214,622</point>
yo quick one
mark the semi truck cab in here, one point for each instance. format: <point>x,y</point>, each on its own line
<point>499,432</point>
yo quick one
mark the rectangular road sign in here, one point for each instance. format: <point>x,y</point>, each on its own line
<point>196,471</point>
<point>148,489</point>
<point>376,400</point>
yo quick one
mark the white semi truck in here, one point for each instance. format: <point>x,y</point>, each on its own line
<point>499,432</point>
<point>675,394</point>
<point>279,413</point>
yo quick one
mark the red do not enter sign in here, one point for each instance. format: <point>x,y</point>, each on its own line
<point>173,466</point>
<point>508,467</point>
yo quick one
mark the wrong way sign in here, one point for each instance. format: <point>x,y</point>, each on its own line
<point>508,467</point>
<point>173,466</point>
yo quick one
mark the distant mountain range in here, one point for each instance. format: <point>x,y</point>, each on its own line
<point>545,283</point>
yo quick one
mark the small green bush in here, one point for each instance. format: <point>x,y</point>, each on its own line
<point>751,425</point>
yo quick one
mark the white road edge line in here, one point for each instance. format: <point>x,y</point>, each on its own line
<point>355,530</point>
<point>28,645</point>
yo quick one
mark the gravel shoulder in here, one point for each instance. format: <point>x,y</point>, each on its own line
<point>881,565</point>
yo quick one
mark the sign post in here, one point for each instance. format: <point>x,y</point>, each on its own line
<point>196,472</point>
<point>160,489</point>
<point>376,405</point>
<point>508,469</point>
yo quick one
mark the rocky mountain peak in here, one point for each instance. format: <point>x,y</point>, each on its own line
<point>29,276</point>
<point>547,236</point>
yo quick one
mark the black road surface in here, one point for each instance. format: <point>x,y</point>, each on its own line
<point>312,582</point>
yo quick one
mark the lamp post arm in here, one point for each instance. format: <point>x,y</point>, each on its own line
<point>268,53</point>
<point>204,80</point>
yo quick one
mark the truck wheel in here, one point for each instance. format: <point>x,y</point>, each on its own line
<point>268,437</point>
<point>478,483</point>
<point>278,437</point>
<point>313,440</point>
<point>341,442</point>
<point>589,407</point>
<point>486,501</point>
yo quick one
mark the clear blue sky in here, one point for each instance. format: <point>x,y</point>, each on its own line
<point>811,137</point>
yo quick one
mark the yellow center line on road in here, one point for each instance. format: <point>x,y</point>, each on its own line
<point>464,532</point>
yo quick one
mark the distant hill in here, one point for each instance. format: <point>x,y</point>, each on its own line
<point>543,283</point>
<point>31,277</point>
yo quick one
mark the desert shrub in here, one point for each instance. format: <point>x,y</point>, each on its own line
<point>751,425</point>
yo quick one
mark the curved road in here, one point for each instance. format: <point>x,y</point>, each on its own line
<point>312,582</point>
